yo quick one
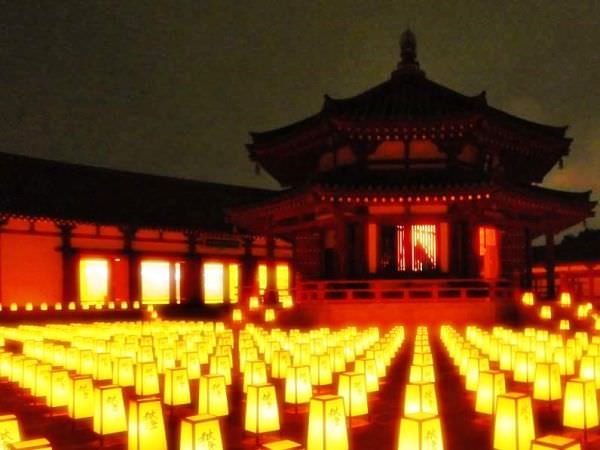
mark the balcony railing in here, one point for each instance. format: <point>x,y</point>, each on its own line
<point>403,290</point>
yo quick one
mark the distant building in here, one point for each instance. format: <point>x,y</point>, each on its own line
<point>408,190</point>
<point>577,266</point>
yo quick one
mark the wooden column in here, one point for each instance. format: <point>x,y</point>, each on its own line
<point>341,246</point>
<point>550,264</point>
<point>248,287</point>
<point>271,294</point>
<point>69,260</point>
<point>359,253</point>
<point>192,271</point>
<point>133,263</point>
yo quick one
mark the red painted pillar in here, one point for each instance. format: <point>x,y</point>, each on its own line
<point>550,265</point>
<point>69,264</point>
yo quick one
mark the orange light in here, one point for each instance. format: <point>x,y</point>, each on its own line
<point>93,280</point>
<point>58,307</point>
<point>298,388</point>
<point>146,425</point>
<point>547,385</point>
<point>420,431</point>
<point>420,397</point>
<point>528,299</point>
<point>491,384</point>
<point>580,406</point>
<point>327,427</point>
<point>352,388</point>
<point>14,307</point>
<point>546,312</point>
<point>212,397</point>
<point>81,397</point>
<point>269,315</point>
<point>200,432</point>
<point>262,413</point>
<point>156,282</point>
<point>9,429</point>
<point>236,315</point>
<point>109,410</point>
<point>146,379</point>
<point>253,303</point>
<point>565,299</point>
<point>177,387</point>
<point>513,425</point>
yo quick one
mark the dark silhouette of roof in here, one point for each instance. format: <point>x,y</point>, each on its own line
<point>39,188</point>
<point>581,247</point>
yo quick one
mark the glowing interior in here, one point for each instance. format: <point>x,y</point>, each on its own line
<point>156,280</point>
<point>93,280</point>
<point>213,274</point>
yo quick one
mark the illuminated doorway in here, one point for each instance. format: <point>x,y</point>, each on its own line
<point>93,280</point>
<point>220,281</point>
<point>156,282</point>
<point>488,252</point>
<point>408,248</point>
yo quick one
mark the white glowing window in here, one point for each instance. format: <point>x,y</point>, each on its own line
<point>93,280</point>
<point>282,276</point>
<point>262,278</point>
<point>156,282</point>
<point>213,278</point>
<point>234,283</point>
<point>424,247</point>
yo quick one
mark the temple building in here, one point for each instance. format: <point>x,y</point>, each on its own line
<point>408,190</point>
<point>412,180</point>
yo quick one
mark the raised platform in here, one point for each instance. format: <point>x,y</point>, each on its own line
<point>384,313</point>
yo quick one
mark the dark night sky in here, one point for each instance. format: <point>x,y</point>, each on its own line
<point>173,87</point>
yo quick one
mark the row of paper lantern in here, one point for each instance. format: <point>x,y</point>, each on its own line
<point>514,426</point>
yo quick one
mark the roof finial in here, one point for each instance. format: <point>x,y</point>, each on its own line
<point>408,54</point>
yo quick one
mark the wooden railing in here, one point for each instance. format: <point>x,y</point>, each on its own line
<point>403,290</point>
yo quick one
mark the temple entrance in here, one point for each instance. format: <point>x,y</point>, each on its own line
<point>406,249</point>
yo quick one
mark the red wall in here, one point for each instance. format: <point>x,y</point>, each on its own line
<point>30,269</point>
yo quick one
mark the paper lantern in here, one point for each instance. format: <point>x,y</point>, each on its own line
<point>221,365</point>
<point>123,373</point>
<point>474,366</point>
<point>42,380</point>
<point>565,358</point>
<point>166,359</point>
<point>320,370</point>
<point>146,425</point>
<point>262,413</point>
<point>5,364</point>
<point>59,393</point>
<point>28,379</point>
<point>9,430</point>
<point>32,444</point>
<point>420,397</point>
<point>109,410</point>
<point>420,431</point>
<point>524,367</point>
<point>212,395</point>
<point>103,367</point>
<point>564,325</point>
<point>547,385</point>
<point>191,361</point>
<point>553,442</point>
<point>16,368</point>
<point>280,362</point>
<point>146,379</point>
<point>177,387</point>
<point>81,397</point>
<point>253,303</point>
<point>565,299</point>
<point>506,359</point>
<point>269,315</point>
<point>514,428</point>
<point>298,387</point>
<point>352,388</point>
<point>327,429</point>
<point>301,355</point>
<point>589,369</point>
<point>236,315</point>
<point>528,299</point>
<point>254,373</point>
<point>338,359</point>
<point>546,312</point>
<point>491,384</point>
<point>200,432</point>
<point>367,366</point>
<point>580,406</point>
<point>421,373</point>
